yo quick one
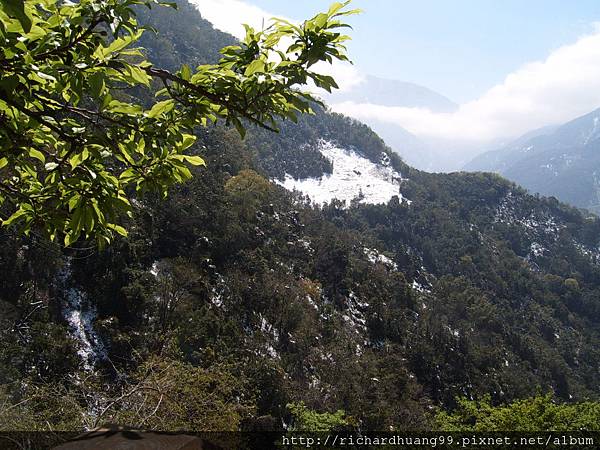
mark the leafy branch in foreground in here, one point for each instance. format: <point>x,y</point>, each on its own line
<point>74,146</point>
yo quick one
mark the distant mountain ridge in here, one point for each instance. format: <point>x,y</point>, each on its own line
<point>385,92</point>
<point>498,159</point>
<point>562,161</point>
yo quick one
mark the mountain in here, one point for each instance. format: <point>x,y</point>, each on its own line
<point>499,158</point>
<point>311,268</point>
<point>563,161</point>
<point>381,91</point>
<point>378,91</point>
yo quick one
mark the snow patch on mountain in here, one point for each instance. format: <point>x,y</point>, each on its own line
<point>420,288</point>
<point>593,133</point>
<point>272,336</point>
<point>536,250</point>
<point>592,253</point>
<point>353,177</point>
<point>539,225</point>
<point>80,314</point>
<point>355,318</point>
<point>375,257</point>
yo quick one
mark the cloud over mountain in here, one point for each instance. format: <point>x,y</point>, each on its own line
<point>566,84</point>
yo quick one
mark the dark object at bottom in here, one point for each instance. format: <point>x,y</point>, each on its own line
<point>123,439</point>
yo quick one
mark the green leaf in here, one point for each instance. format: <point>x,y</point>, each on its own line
<point>36,33</point>
<point>258,65</point>
<point>78,158</point>
<point>139,75</point>
<point>161,108</point>
<point>195,160</point>
<point>334,8</point>
<point>3,162</point>
<point>121,43</point>
<point>88,220</point>
<point>74,201</point>
<point>70,238</point>
<point>119,229</point>
<point>96,82</point>
<point>126,154</point>
<point>129,175</point>
<point>320,20</point>
<point>37,155</point>
<point>16,9</point>
<point>123,108</point>
<point>188,141</point>
<point>239,127</point>
<point>186,72</point>
<point>17,214</point>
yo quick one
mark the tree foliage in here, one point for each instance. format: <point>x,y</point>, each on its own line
<point>75,145</point>
<point>533,414</point>
<point>307,420</point>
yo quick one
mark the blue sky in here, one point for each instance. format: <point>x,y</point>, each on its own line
<point>459,48</point>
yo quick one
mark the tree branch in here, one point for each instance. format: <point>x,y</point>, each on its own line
<point>93,24</point>
<point>166,75</point>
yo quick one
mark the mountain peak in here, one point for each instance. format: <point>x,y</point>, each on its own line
<point>386,92</point>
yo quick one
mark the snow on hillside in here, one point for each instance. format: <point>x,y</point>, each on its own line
<point>354,176</point>
<point>80,314</point>
<point>536,224</point>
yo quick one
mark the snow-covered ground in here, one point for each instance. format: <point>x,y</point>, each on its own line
<point>354,176</point>
<point>536,224</point>
<point>376,257</point>
<point>80,314</point>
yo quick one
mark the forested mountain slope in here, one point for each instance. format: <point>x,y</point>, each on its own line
<point>235,296</point>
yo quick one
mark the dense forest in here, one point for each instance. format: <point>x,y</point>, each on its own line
<point>236,304</point>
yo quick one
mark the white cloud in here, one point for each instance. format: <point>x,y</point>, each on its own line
<point>560,88</point>
<point>229,15</point>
